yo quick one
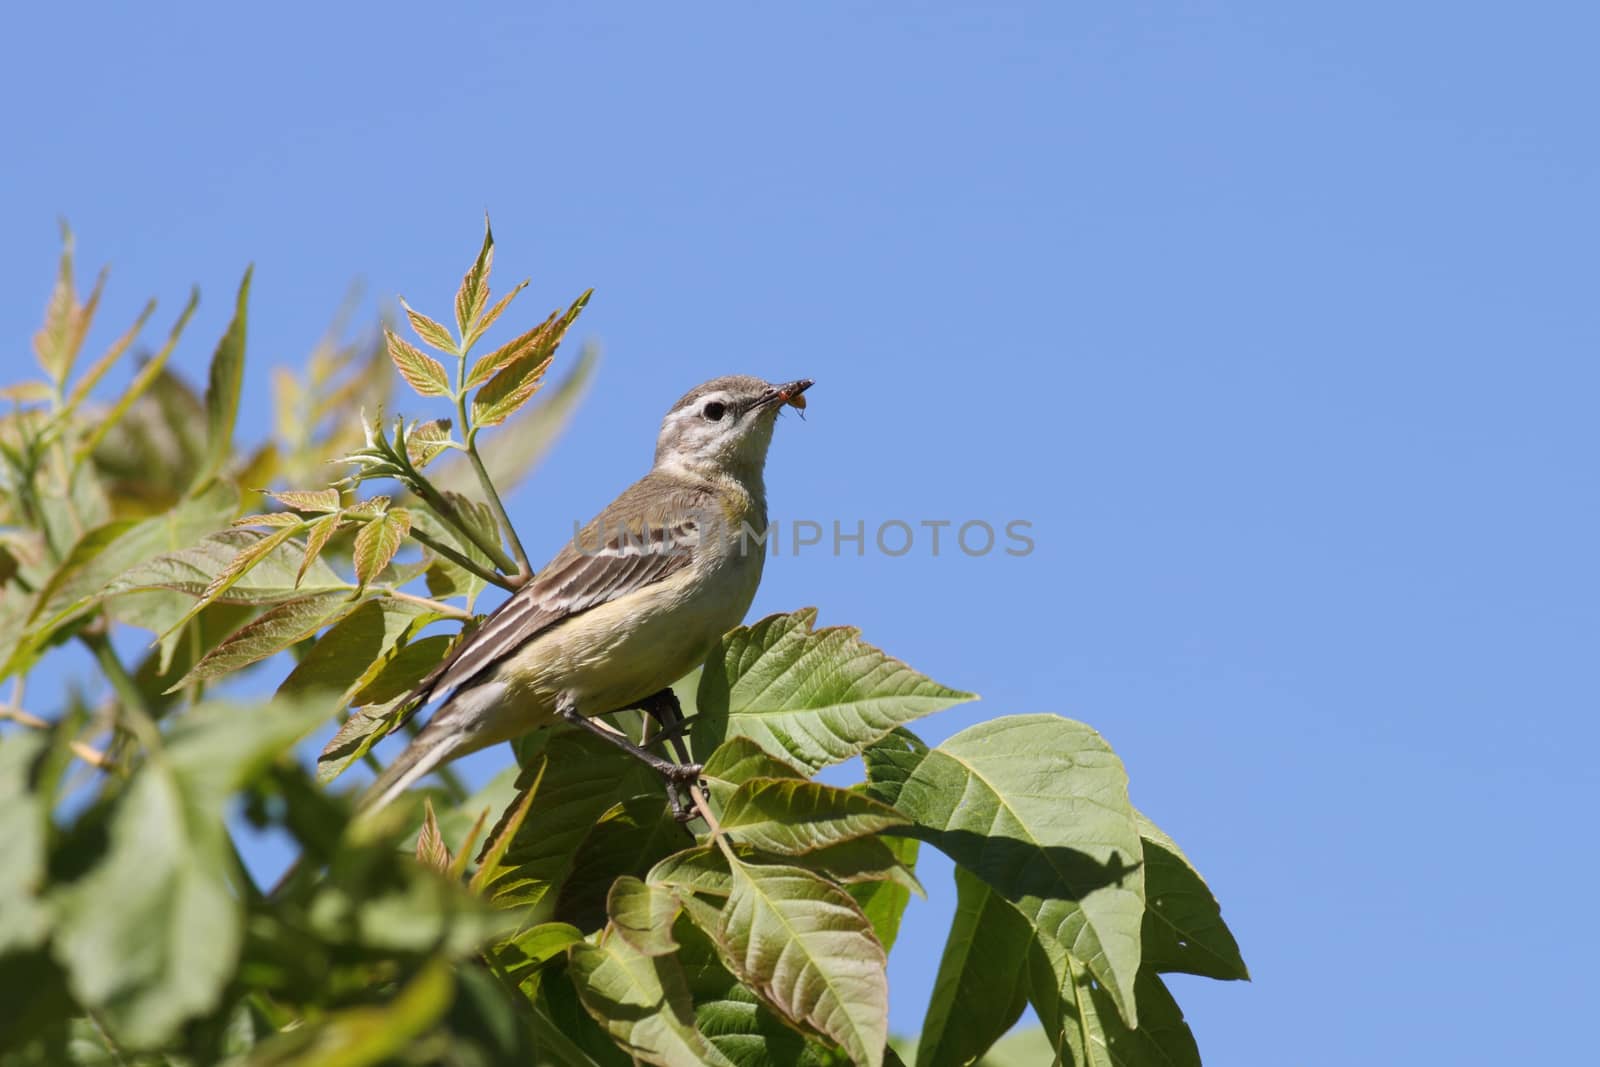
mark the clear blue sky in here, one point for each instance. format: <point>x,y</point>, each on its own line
<point>1277,321</point>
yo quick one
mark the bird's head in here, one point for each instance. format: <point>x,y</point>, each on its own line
<point>725,425</point>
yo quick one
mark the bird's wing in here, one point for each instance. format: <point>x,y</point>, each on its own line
<point>650,533</point>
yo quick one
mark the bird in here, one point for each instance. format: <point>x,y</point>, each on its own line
<point>638,598</point>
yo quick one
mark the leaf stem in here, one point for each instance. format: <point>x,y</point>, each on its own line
<point>447,511</point>
<point>524,569</point>
<point>462,560</point>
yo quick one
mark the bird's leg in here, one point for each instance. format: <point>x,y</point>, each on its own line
<point>665,709</point>
<point>673,774</point>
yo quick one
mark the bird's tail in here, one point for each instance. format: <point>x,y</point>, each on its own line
<point>430,748</point>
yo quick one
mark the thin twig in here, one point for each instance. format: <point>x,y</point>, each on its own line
<point>447,610</point>
<point>524,568</point>
<point>449,513</point>
<point>463,561</point>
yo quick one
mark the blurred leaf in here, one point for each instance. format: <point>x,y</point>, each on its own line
<point>378,541</point>
<point>97,370</point>
<point>1082,1017</point>
<point>65,320</point>
<point>164,952</point>
<point>149,459</point>
<point>884,903</point>
<point>149,374</point>
<point>421,371</point>
<point>814,698</point>
<point>30,769</point>
<point>281,627</point>
<point>792,817</point>
<point>431,332</point>
<point>365,1036</point>
<point>222,391</point>
<point>642,1001</point>
<point>431,851</point>
<point>980,989</point>
<point>474,290</point>
<point>1183,928</point>
<point>804,946</point>
<point>91,568</point>
<point>1037,806</point>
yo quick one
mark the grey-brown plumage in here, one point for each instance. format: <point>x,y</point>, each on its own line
<point>635,601</point>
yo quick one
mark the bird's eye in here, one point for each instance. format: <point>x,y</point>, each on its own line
<point>715,410</point>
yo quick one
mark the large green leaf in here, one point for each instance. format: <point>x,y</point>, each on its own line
<point>803,944</point>
<point>625,842</point>
<point>1183,927</point>
<point>884,902</point>
<point>94,567</point>
<point>584,779</point>
<point>812,697</point>
<point>734,1019</point>
<point>642,1001</point>
<point>793,817</point>
<point>1037,806</point>
<point>222,391</point>
<point>1085,1026</point>
<point>981,989</point>
<point>271,579</point>
<point>150,935</point>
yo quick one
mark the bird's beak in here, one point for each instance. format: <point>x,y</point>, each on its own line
<point>787,393</point>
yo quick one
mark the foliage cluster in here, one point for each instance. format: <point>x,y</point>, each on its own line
<point>561,914</point>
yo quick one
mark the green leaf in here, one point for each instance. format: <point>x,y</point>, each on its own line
<point>91,377</point>
<point>378,541</point>
<point>737,760</point>
<point>164,952</point>
<point>271,579</point>
<point>884,902</point>
<point>222,391</point>
<point>421,371</point>
<point>474,290</point>
<point>251,553</point>
<point>412,662</point>
<point>585,779</point>
<point>814,698</point>
<point>734,1019</point>
<point>803,944</point>
<point>1081,1016</point>
<point>281,627</point>
<point>53,344</point>
<point>530,949</point>
<point>30,770</point>
<point>980,990</point>
<point>702,869</point>
<point>1037,806</point>
<point>92,568</point>
<point>320,501</point>
<point>792,817</point>
<point>642,915</point>
<point>493,314</point>
<point>317,535</point>
<point>1183,927</point>
<point>642,1001</point>
<point>425,440</point>
<point>431,332</point>
<point>626,841</point>
<point>147,376</point>
<point>521,345</point>
<point>357,648</point>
